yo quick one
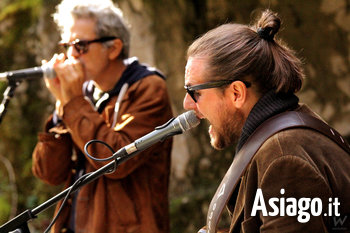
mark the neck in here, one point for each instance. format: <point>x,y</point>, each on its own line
<point>252,99</point>
<point>268,105</point>
<point>109,78</point>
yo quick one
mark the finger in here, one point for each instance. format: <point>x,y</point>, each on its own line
<point>47,82</point>
<point>75,68</point>
<point>61,57</point>
<point>66,75</point>
<point>78,67</point>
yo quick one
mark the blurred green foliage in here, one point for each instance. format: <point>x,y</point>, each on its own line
<point>26,110</point>
<point>5,195</point>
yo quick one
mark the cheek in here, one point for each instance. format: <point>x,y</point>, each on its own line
<point>208,111</point>
<point>211,106</point>
<point>95,65</point>
<point>217,111</point>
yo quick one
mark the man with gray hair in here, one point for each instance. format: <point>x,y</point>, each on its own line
<point>102,94</point>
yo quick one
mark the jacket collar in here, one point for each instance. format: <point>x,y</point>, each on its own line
<point>268,105</point>
<point>134,72</point>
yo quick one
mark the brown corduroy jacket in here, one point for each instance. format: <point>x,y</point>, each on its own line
<point>306,164</point>
<point>134,198</point>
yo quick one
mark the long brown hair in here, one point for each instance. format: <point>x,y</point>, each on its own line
<point>236,51</point>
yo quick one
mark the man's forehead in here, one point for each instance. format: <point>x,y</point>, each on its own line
<point>195,60</point>
<point>188,67</point>
<point>194,69</point>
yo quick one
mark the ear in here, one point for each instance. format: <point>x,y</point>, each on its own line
<point>237,93</point>
<point>115,49</point>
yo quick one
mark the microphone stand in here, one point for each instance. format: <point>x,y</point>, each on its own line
<point>19,224</point>
<point>8,94</point>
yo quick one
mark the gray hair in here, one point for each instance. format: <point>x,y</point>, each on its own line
<point>109,19</point>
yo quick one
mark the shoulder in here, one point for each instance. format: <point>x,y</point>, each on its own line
<point>287,160</point>
<point>149,96</point>
<point>151,83</point>
<point>303,144</point>
<point>150,88</point>
<point>286,142</point>
<point>297,154</point>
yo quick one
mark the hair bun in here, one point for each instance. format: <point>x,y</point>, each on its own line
<point>268,25</point>
<point>265,33</point>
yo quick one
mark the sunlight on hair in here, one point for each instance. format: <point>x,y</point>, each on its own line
<point>68,10</point>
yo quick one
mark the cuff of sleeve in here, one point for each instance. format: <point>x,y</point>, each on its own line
<point>45,137</point>
<point>55,126</point>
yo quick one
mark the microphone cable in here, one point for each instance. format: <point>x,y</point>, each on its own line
<point>103,143</point>
<point>80,179</point>
<point>76,183</point>
<point>113,156</point>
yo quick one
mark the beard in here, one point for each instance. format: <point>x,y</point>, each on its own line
<point>229,129</point>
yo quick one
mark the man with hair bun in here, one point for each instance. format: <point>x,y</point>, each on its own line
<point>240,78</point>
<point>103,94</point>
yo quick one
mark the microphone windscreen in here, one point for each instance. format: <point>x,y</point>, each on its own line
<point>188,120</point>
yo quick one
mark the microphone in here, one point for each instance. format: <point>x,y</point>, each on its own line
<point>45,70</point>
<point>174,126</point>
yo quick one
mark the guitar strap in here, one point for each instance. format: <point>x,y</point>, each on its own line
<point>282,121</point>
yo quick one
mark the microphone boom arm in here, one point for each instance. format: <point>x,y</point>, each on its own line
<point>20,221</point>
<point>8,94</point>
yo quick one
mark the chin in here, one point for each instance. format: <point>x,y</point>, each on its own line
<point>216,143</point>
<point>228,130</point>
<point>220,141</point>
<point>216,146</point>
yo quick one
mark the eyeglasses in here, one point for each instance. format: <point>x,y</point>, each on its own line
<point>192,90</point>
<point>82,46</point>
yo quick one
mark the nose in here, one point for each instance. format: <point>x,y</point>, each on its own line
<point>188,103</point>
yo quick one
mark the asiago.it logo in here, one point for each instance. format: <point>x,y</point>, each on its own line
<point>302,207</point>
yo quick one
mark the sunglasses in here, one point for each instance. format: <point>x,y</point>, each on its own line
<point>192,90</point>
<point>82,46</point>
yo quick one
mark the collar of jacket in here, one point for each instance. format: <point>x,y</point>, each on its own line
<point>133,73</point>
<point>267,106</point>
